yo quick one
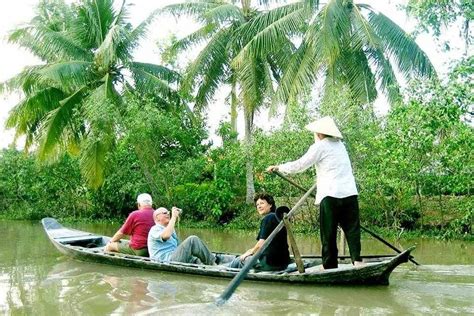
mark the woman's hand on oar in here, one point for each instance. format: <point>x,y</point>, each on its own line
<point>272,169</point>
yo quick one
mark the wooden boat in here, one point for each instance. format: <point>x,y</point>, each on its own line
<point>89,247</point>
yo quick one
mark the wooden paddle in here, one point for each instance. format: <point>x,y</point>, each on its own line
<point>361,226</point>
<point>250,263</point>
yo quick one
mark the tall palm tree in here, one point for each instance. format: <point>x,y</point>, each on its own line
<point>73,100</point>
<point>221,32</point>
<point>342,43</point>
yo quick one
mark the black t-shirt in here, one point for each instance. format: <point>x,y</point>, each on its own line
<point>277,253</point>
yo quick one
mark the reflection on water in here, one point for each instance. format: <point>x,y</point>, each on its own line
<point>35,279</point>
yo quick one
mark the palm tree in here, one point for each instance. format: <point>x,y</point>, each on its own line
<point>222,25</point>
<point>342,44</point>
<point>73,100</point>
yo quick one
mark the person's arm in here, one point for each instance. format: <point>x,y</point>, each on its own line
<point>123,231</point>
<point>300,165</point>
<point>117,236</point>
<point>169,229</point>
<point>252,250</point>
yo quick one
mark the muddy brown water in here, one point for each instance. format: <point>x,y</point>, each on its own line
<point>35,279</point>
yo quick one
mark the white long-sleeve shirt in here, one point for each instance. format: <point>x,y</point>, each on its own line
<point>333,168</point>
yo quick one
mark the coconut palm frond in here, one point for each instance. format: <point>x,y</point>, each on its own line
<point>149,79</point>
<point>352,69</point>
<point>401,47</point>
<point>122,16</point>
<point>68,74</point>
<point>196,10</point>
<point>106,53</point>
<point>94,19</point>
<point>33,109</point>
<point>159,71</point>
<point>278,59</point>
<point>28,80</point>
<point>94,151</point>
<point>301,73</point>
<point>363,35</point>
<point>214,52</point>
<point>267,3</point>
<point>385,75</point>
<point>100,110</point>
<point>263,33</point>
<point>198,37</point>
<point>139,32</point>
<point>331,30</point>
<point>55,123</point>
<point>255,82</point>
<point>224,14</point>
<point>48,45</point>
<point>103,118</point>
<point>211,79</point>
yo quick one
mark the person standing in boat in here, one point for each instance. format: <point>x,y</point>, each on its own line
<point>137,226</point>
<point>336,189</point>
<point>164,245</point>
<point>276,257</point>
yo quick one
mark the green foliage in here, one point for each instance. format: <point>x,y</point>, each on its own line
<point>210,201</point>
<point>32,191</point>
<point>433,15</point>
<point>166,143</point>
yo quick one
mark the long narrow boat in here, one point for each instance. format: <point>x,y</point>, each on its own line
<point>90,247</point>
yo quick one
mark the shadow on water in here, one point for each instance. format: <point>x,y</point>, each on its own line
<point>35,279</point>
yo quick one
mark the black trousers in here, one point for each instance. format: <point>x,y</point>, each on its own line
<point>345,212</point>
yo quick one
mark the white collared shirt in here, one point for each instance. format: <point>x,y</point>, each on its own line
<point>333,168</point>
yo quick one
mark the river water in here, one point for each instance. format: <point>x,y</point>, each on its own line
<point>35,279</point>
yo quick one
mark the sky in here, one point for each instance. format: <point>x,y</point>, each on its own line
<point>13,58</point>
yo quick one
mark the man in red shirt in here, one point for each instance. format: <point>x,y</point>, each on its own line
<point>137,226</point>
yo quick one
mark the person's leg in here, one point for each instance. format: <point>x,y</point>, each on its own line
<point>124,247</point>
<point>328,231</point>
<point>350,224</point>
<point>193,246</point>
<point>239,264</point>
<point>264,266</point>
<point>141,252</point>
<point>236,263</point>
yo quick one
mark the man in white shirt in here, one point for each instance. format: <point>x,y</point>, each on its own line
<point>336,189</point>
<point>164,245</point>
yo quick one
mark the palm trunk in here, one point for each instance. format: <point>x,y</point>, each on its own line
<point>248,117</point>
<point>233,111</point>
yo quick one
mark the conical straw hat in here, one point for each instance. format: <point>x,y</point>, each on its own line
<point>324,126</point>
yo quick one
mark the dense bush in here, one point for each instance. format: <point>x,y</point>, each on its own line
<point>29,190</point>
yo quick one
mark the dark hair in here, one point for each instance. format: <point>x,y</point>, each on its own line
<point>267,197</point>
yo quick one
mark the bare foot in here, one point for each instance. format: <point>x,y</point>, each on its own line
<point>359,264</point>
<point>321,268</point>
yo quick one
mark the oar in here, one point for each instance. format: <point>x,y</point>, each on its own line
<point>250,263</point>
<point>361,226</point>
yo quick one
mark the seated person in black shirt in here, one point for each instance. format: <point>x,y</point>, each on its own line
<point>276,256</point>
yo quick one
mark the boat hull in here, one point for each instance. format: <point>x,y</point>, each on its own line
<point>86,246</point>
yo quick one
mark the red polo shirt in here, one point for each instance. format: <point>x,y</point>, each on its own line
<point>137,226</point>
